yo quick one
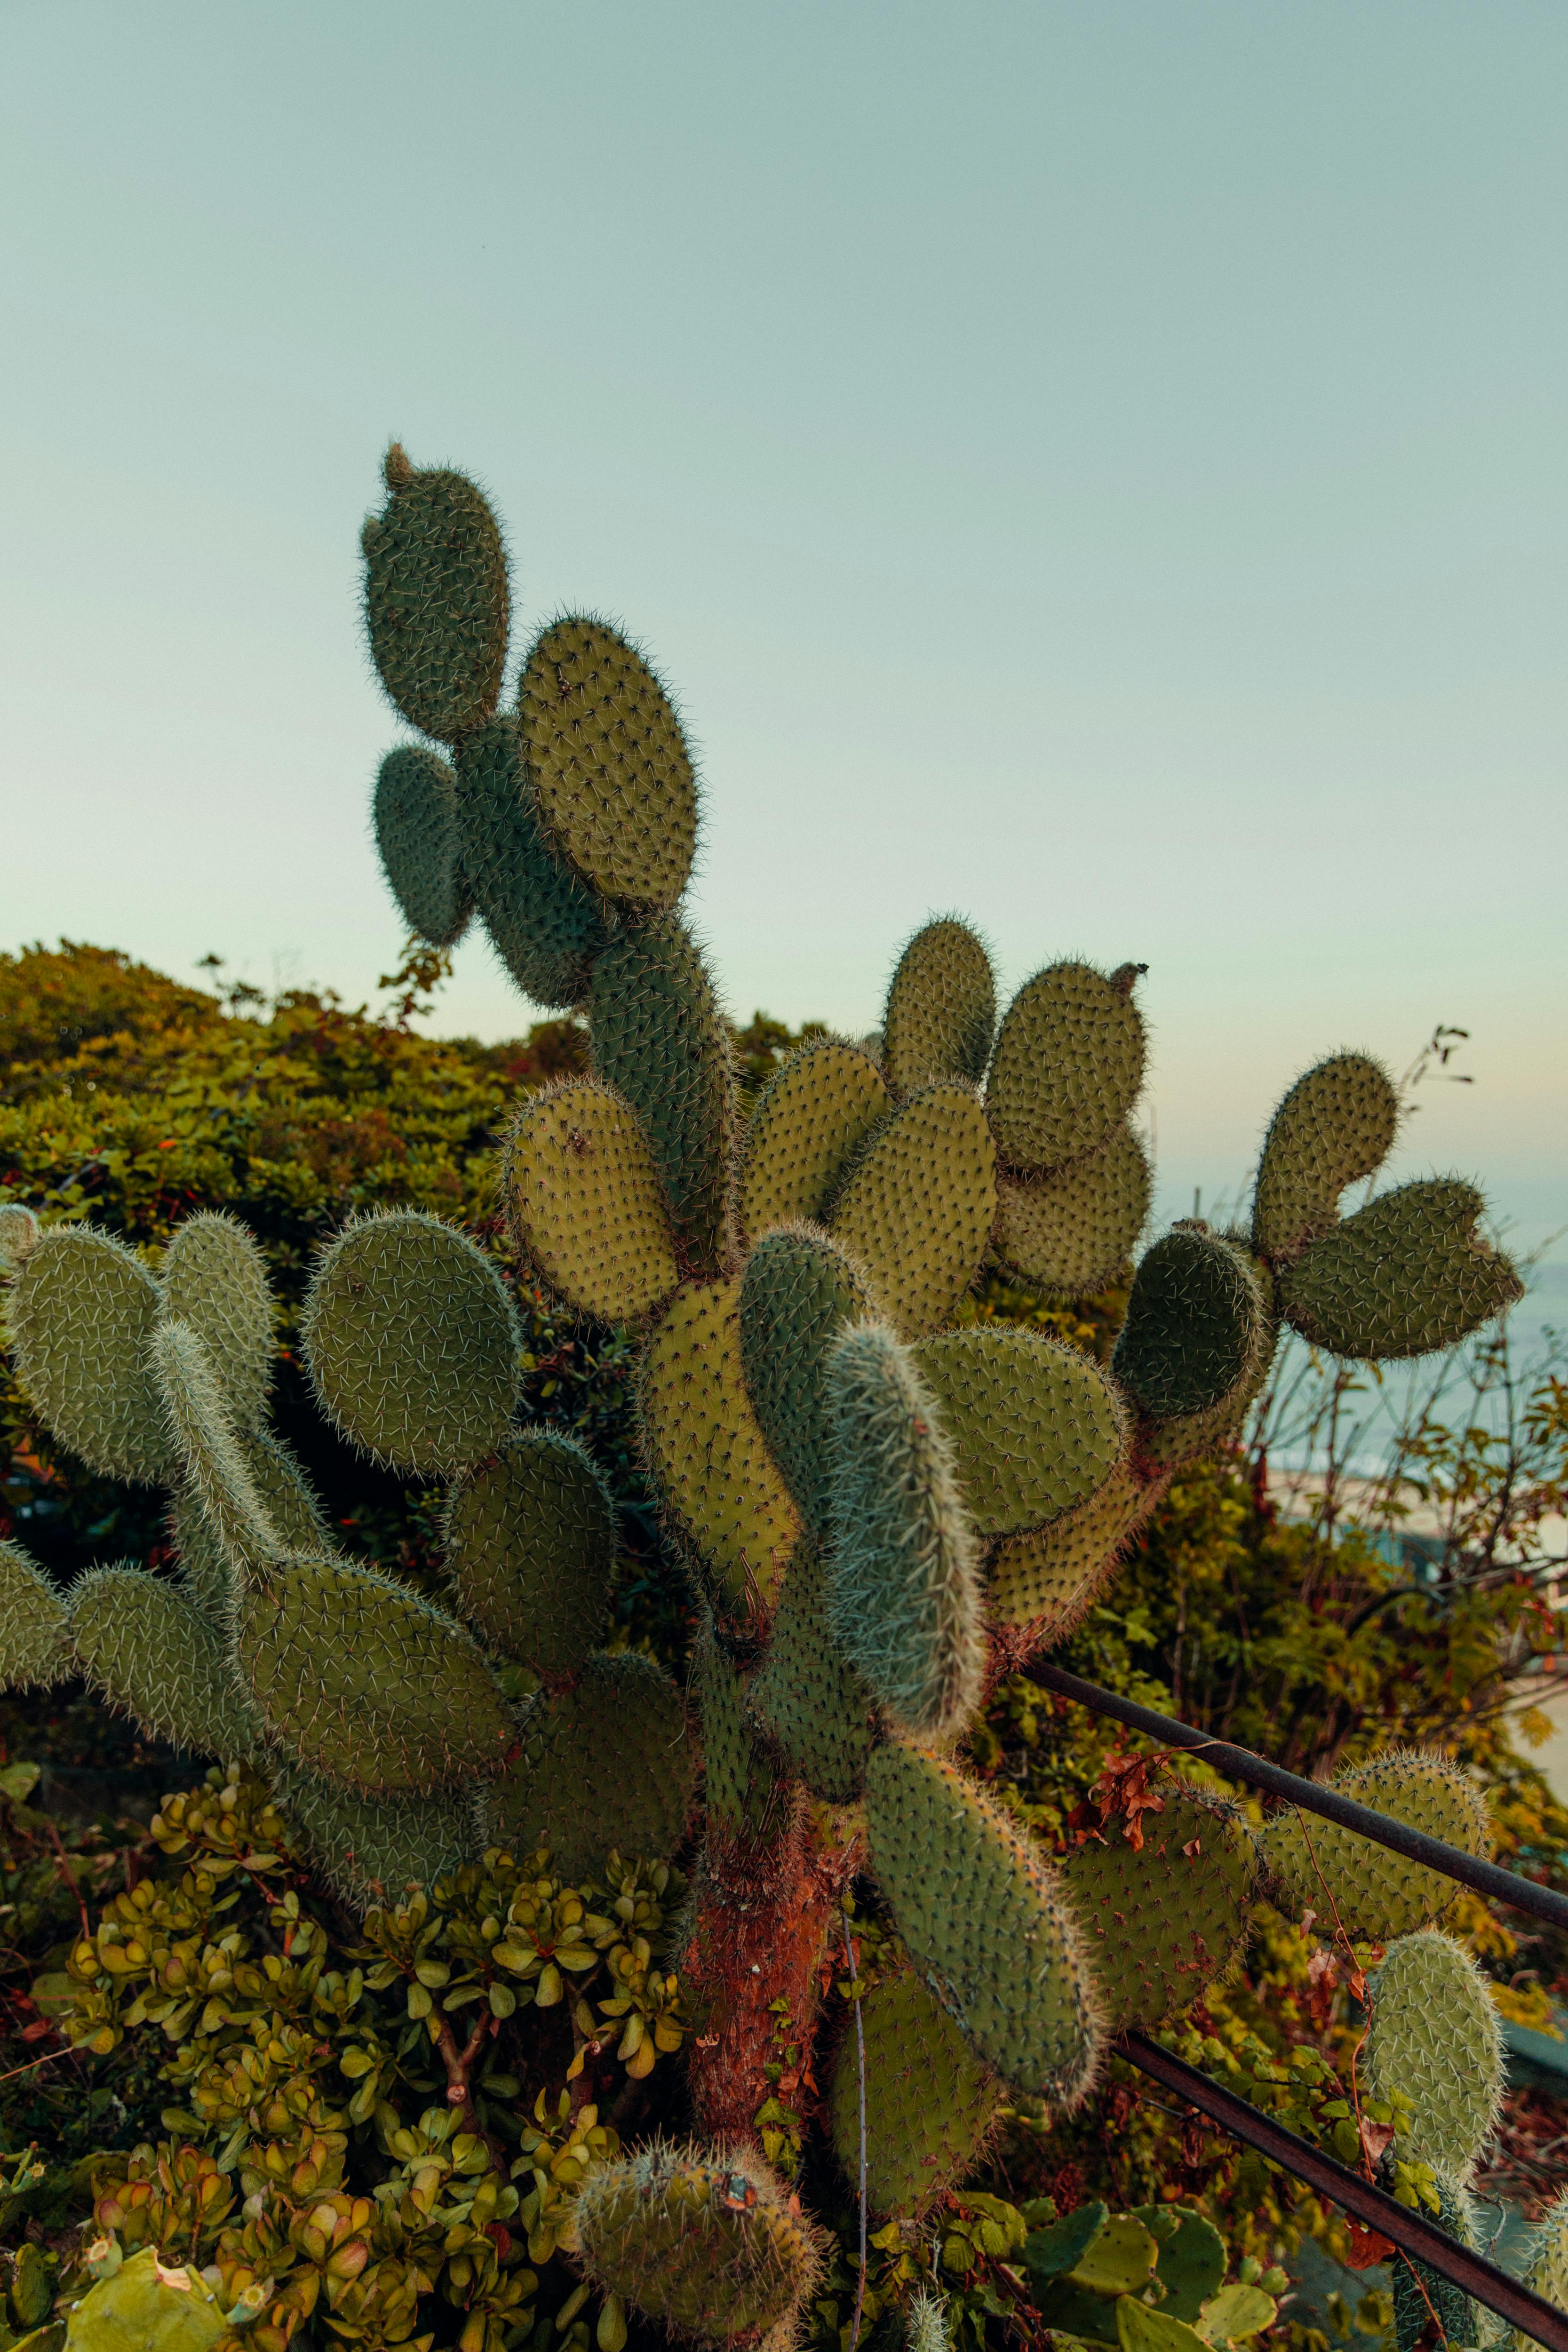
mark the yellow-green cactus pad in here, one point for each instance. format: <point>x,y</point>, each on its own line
<point>1546,2273</point>
<point>1069,1063</point>
<point>930,2099</point>
<point>214,1279</point>
<point>719,1482</point>
<point>941,1009</point>
<point>608,764</point>
<point>288,1507</point>
<point>365,1682</point>
<point>708,2242</point>
<point>436,599</point>
<point>372,1848</point>
<point>1377,1894</point>
<point>1035,1427</point>
<point>798,1292</point>
<point>918,1208</point>
<point>1197,1322</point>
<point>983,1918</point>
<point>530,1548</point>
<point>1433,2033</point>
<point>1070,1235</point>
<point>661,1040</point>
<point>412,1341</point>
<point>811,1116</point>
<point>214,1465</point>
<point>806,1697</point>
<point>743,1795</point>
<point>147,2306</point>
<point>606,1767</point>
<point>1048,1578</point>
<point>78,1319</point>
<point>587,1210</point>
<point>35,1626</point>
<point>546,925</point>
<point>1406,1275</point>
<point>420,838</point>
<point>154,1657</point>
<point>1334,1126</point>
<point>1162,1921</point>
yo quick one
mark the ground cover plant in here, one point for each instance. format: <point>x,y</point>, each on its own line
<point>701,1917</point>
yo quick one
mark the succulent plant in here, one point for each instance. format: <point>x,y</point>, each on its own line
<point>880,1503</point>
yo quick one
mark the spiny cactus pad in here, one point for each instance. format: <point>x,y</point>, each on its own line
<point>212,1461</point>
<point>78,1318</point>
<point>607,1765</point>
<point>798,1292</point>
<point>419,837</point>
<point>545,925</point>
<point>708,2241</point>
<point>214,1279</point>
<point>367,1682</point>
<point>719,1481</point>
<point>372,1848</point>
<point>1071,1233</point>
<point>1035,1427</point>
<point>436,599</point>
<point>810,1118</point>
<point>917,1209</point>
<point>608,764</point>
<point>904,1600</point>
<point>1546,2273</point>
<point>983,1915</point>
<point>35,1627</point>
<point>1434,2035</point>
<point>285,1501</point>
<point>530,1546</point>
<point>1162,1921</point>
<point>1406,1275</point>
<point>1069,1063</point>
<point>941,1009</point>
<point>807,1696</point>
<point>1377,1893</point>
<point>128,1629</point>
<point>587,1209</point>
<point>744,1795</point>
<point>929,2098</point>
<point>1335,1126</point>
<point>411,1342</point>
<point>1050,1576</point>
<point>1421,2296</point>
<point>1198,1319</point>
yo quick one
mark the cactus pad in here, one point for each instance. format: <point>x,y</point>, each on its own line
<point>1434,2035</point>
<point>1420,2295</point>
<point>1161,1922</point>
<point>1197,1321</point>
<point>1048,1578</point>
<point>35,1626</point>
<point>412,1341</point>
<point>608,765</point>
<point>743,1795</point>
<point>719,1481</point>
<point>80,1317</point>
<point>711,2242</point>
<point>436,599</point>
<point>917,1209</point>
<point>659,1040</point>
<point>941,1009</point>
<point>1335,1126</point>
<point>1406,1275</point>
<point>1547,2271</point>
<point>811,1116</point>
<point>214,1279</point>
<point>19,1231</point>
<point>798,1293</point>
<point>807,1696</point>
<point>419,837</point>
<point>1069,1063</point>
<point>604,1767</point>
<point>531,1547</point>
<point>1377,1893</point>
<point>1070,1235</point>
<point>216,1472</point>
<point>1036,1427</point>
<point>930,2099</point>
<point>587,1211</point>
<point>904,1600</point>
<point>367,1682</point>
<point>285,1501</point>
<point>371,1848</point>
<point>982,1916</point>
<point>545,925</point>
<point>128,1629</point>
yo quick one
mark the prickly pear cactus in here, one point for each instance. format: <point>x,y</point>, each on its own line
<point>879,1504</point>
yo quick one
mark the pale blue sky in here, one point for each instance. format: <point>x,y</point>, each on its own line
<point>1099,468</point>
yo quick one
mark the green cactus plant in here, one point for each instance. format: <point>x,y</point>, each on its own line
<point>1434,2035</point>
<point>879,1504</point>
